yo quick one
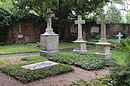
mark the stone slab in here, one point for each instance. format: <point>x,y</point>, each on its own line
<point>39,65</point>
<point>103,43</point>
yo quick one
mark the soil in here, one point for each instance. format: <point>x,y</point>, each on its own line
<point>59,80</point>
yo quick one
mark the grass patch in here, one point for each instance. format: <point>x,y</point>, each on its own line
<point>65,45</point>
<point>116,54</point>
<point>26,75</point>
<point>18,48</point>
<point>30,47</point>
<point>93,42</point>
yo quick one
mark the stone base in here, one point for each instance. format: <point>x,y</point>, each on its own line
<point>103,50</point>
<point>80,51</point>
<point>48,53</point>
<point>107,56</point>
<point>80,47</point>
<point>49,44</point>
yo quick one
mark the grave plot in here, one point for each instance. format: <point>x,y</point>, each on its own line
<point>31,71</point>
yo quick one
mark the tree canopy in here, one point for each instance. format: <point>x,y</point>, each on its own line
<point>5,18</point>
<point>127,17</point>
<point>65,7</point>
<point>114,15</point>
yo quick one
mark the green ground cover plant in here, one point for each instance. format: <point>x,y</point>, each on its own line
<point>120,73</point>
<point>105,80</point>
<point>26,75</point>
<point>87,62</point>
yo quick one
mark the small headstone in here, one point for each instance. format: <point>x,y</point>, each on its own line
<point>95,29</point>
<point>39,65</point>
<point>119,37</point>
<point>20,36</point>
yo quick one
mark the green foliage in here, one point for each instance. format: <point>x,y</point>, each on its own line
<point>122,75</point>
<point>84,61</point>
<point>125,47</point>
<point>19,17</point>
<point>122,72</point>
<point>114,14</point>
<point>66,6</point>
<point>26,75</point>
<point>7,5</point>
<point>83,82</point>
<point>106,80</point>
<point>127,17</point>
<point>5,18</point>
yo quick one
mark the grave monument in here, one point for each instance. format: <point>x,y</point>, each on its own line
<point>80,43</point>
<point>49,41</point>
<point>119,37</point>
<point>103,47</point>
<point>39,65</point>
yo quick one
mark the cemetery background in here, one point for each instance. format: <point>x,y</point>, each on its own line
<point>88,62</point>
<point>31,31</point>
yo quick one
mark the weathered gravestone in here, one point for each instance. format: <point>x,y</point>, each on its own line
<point>39,65</point>
<point>95,29</point>
<point>103,47</point>
<point>20,36</point>
<point>49,40</point>
<point>80,43</point>
<point>119,37</point>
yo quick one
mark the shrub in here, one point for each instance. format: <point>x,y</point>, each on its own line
<point>125,47</point>
<point>83,82</point>
<point>122,75</point>
<point>105,80</point>
<point>5,18</point>
<point>122,72</point>
<point>26,75</point>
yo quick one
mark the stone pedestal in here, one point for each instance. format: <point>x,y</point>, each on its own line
<point>80,47</point>
<point>49,45</point>
<point>103,50</point>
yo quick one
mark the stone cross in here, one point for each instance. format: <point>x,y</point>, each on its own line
<point>48,17</point>
<point>119,37</point>
<point>103,23</point>
<point>80,22</point>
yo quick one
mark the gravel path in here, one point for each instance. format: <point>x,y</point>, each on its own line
<point>19,55</point>
<point>35,53</point>
<point>27,54</point>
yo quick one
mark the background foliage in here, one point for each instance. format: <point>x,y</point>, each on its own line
<point>114,14</point>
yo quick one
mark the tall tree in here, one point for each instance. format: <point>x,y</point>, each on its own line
<point>78,6</point>
<point>7,5</point>
<point>127,17</point>
<point>113,14</point>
